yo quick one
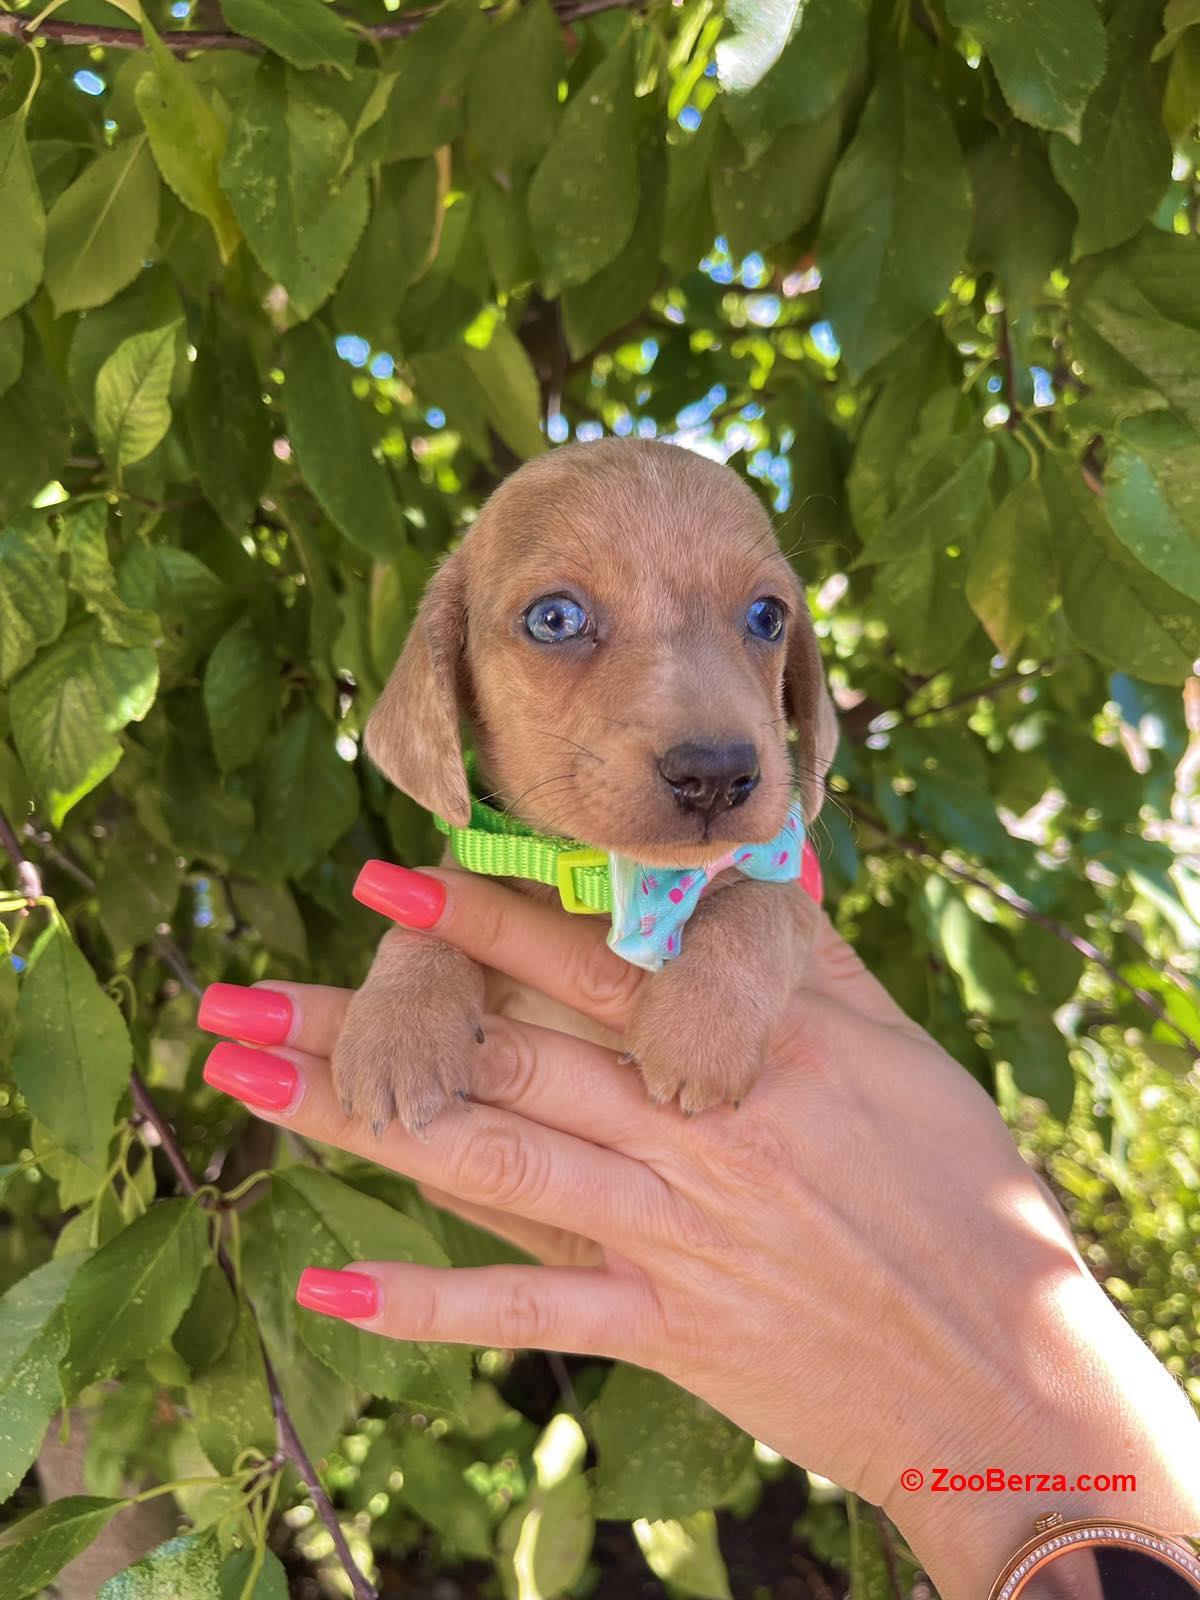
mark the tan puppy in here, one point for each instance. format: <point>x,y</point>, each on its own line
<point>628,646</point>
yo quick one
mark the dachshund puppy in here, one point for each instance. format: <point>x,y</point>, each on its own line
<point>637,667</point>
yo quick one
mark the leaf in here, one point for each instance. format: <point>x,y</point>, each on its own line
<point>33,597</point>
<point>138,890</point>
<point>663,1453</point>
<point>308,795</point>
<point>437,1488</point>
<point>583,197</point>
<point>132,409</point>
<point>1037,1055</point>
<point>187,137</point>
<point>512,130</point>
<point>230,1401</point>
<point>1048,58</point>
<point>320,1221</point>
<point>512,398</point>
<point>12,351</point>
<point>22,219</point>
<point>904,170</point>
<point>306,33</point>
<point>33,435</point>
<point>328,432</point>
<point>37,1547</point>
<point>33,1340</point>
<point>810,73</point>
<point>151,301</point>
<point>1179,16</point>
<point>974,952</point>
<point>128,1298</point>
<point>283,174</point>
<point>1118,610</point>
<point>72,1055</point>
<point>756,205</point>
<point>68,707</point>
<point>688,226</point>
<point>227,420</point>
<point>686,1555</point>
<point>1010,582</point>
<point>759,32</point>
<point>430,70</point>
<point>1011,177</point>
<point>207,1325</point>
<point>271,1583</point>
<point>619,292</point>
<point>543,1545</point>
<point>101,230</point>
<point>1152,498</point>
<point>397,248</point>
<point>188,1565</point>
<point>1119,167</point>
<point>241,694</point>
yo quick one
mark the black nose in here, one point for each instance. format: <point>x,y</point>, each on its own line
<point>710,777</point>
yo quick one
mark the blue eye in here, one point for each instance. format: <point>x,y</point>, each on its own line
<point>555,619</point>
<point>765,617</point>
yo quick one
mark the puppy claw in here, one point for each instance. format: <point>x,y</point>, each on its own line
<point>464,1095</point>
<point>626,1058</point>
<point>478,1035</point>
<point>379,1127</point>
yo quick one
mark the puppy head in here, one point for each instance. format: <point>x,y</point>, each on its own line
<point>629,647</point>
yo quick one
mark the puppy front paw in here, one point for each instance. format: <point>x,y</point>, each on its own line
<point>402,1054</point>
<point>693,1044</point>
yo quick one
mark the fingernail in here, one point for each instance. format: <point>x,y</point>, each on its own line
<point>267,1083</point>
<point>350,1295</point>
<point>261,1015</point>
<point>406,896</point>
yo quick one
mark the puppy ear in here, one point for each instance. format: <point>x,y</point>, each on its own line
<point>412,734</point>
<point>810,711</point>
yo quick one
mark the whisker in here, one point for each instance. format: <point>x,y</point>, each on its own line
<point>546,733</point>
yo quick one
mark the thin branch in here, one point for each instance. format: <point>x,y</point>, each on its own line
<point>146,1108</point>
<point>184,41</point>
<point>1005,352</point>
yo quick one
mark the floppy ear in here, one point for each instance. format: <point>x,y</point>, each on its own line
<point>412,734</point>
<point>810,711</point>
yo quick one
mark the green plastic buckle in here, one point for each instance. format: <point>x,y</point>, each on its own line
<point>567,861</point>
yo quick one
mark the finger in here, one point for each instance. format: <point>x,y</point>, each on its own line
<point>582,1310</point>
<point>307,1016</point>
<point>563,956</point>
<point>554,1247</point>
<point>483,1154</point>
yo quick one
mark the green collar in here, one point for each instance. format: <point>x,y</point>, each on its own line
<point>501,846</point>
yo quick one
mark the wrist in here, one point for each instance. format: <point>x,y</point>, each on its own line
<point>1076,1417</point>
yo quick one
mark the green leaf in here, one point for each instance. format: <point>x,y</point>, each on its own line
<point>1010,176</point>
<point>72,1056</point>
<point>438,1490</point>
<point>207,1325</point>
<point>33,597</point>
<point>271,1583</point>
<point>12,351</point>
<point>1048,58</point>
<point>512,398</point>
<point>663,1453</point>
<point>328,431</point>
<point>187,137</point>
<point>759,204</point>
<point>308,795</point>
<point>1152,497</point>
<point>68,707</point>
<point>1119,168</point>
<point>33,435</point>
<point>127,1299</point>
<point>1037,1055</point>
<point>619,292</point>
<point>904,170</point>
<point>511,131</point>
<point>151,301</point>
<point>138,890</point>
<point>306,33</point>
<point>228,422</point>
<point>1010,582</point>
<point>688,226</point>
<point>22,219</point>
<point>686,1555</point>
<point>33,1340</point>
<point>544,1544</point>
<point>583,197</point>
<point>37,1547</point>
<point>1118,610</point>
<point>132,409</point>
<point>430,70</point>
<point>283,173</point>
<point>758,33</point>
<point>810,73</point>
<point>974,952</point>
<point>101,230</point>
<point>320,1221</point>
<point>188,1565</point>
<point>230,1401</point>
<point>1179,16</point>
<point>241,693</point>
<point>398,246</point>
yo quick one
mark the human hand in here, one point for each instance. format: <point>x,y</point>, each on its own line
<point>856,1266</point>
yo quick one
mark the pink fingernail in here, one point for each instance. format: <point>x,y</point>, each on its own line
<point>263,1016</point>
<point>409,897</point>
<point>352,1296</point>
<point>261,1081</point>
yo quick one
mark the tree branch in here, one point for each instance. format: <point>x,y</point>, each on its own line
<point>289,1440</point>
<point>183,40</point>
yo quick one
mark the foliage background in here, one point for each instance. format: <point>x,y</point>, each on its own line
<point>283,291</point>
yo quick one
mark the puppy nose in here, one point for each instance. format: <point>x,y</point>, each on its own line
<point>710,777</point>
